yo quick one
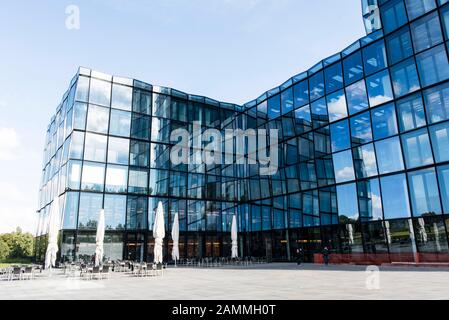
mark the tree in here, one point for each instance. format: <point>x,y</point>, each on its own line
<point>17,244</point>
<point>4,250</point>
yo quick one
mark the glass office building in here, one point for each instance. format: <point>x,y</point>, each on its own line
<point>363,152</point>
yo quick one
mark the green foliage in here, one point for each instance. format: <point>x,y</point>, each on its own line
<point>16,245</point>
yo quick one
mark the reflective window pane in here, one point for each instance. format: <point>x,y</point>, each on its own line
<point>89,210</point>
<point>395,199</point>
<point>120,123</point>
<point>122,97</point>
<point>95,148</point>
<point>379,88</point>
<point>384,121</point>
<point>411,113</point>
<point>375,57</point>
<point>361,129</point>
<point>340,136</point>
<point>118,150</point>
<point>100,92</point>
<point>370,202</point>
<point>440,141</point>
<point>97,119</point>
<point>389,155</point>
<point>93,176</point>
<point>343,166</point>
<point>433,66</point>
<point>116,178</point>
<point>333,77</point>
<point>443,180</point>
<point>437,103</point>
<point>365,161</point>
<point>357,97</point>
<point>114,211</point>
<point>424,192</point>
<point>336,104</point>
<point>347,202</point>
<point>417,149</point>
<point>399,45</point>
<point>405,78</point>
<point>353,67</point>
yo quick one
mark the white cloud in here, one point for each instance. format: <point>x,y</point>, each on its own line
<point>9,144</point>
<point>16,209</point>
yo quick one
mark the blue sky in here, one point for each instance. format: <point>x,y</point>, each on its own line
<point>229,50</point>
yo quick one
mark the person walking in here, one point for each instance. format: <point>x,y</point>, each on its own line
<point>326,255</point>
<point>299,256</point>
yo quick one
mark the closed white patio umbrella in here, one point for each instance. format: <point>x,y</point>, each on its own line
<point>158,233</point>
<point>99,249</point>
<point>53,231</point>
<point>234,253</point>
<point>175,237</point>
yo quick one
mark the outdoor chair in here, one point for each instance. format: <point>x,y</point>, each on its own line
<point>17,273</point>
<point>96,273</point>
<point>28,273</point>
<point>105,272</point>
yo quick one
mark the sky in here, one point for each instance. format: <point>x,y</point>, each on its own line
<point>229,50</point>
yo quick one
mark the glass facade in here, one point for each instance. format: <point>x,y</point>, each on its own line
<point>363,156</point>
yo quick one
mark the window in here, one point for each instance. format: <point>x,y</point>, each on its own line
<point>79,116</point>
<point>116,178</point>
<point>347,202</point>
<point>137,213</point>
<point>319,113</point>
<point>82,89</point>
<point>120,123</point>
<point>424,193</point>
<point>389,155</point>
<point>370,202</point>
<point>97,119</point>
<point>122,97</point>
<point>445,20</point>
<point>416,8</point>
<point>365,161</point>
<point>417,149</point>
<point>443,179</point>
<point>161,105</point>
<point>395,200</point>
<point>93,176</point>
<point>70,210</point>
<point>287,101</point>
<point>440,141</point>
<point>140,126</point>
<point>95,149</point>
<point>405,78</point>
<point>100,92</point>
<point>73,174</point>
<point>336,104</point>
<point>139,153</point>
<point>393,15</point>
<point>411,113</point>
<point>374,57</point>
<point>301,93</point>
<point>426,32</point>
<point>274,107</point>
<point>303,120</point>
<point>356,96</point>
<point>343,166</point>
<point>76,145</point>
<point>361,129</point>
<point>399,45</point>
<point>340,136</point>
<point>118,150</point>
<point>90,207</point>
<point>384,121</point>
<point>316,86</point>
<point>437,103</point>
<point>333,77</point>
<point>160,130</point>
<point>379,88</point>
<point>142,101</point>
<point>138,181</point>
<point>353,67</point>
<point>433,66</point>
<point>114,211</point>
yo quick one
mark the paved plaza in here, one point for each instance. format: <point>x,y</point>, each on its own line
<point>270,281</point>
